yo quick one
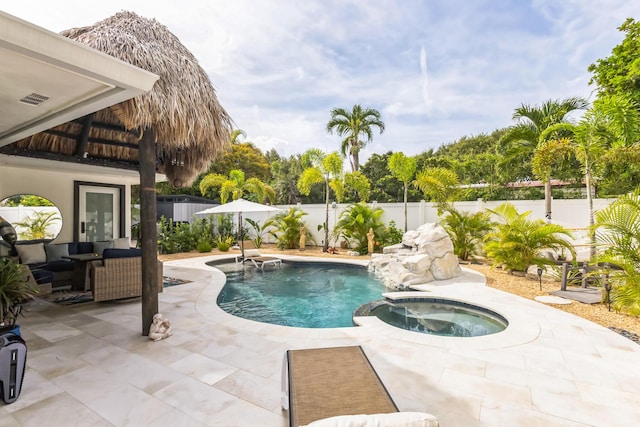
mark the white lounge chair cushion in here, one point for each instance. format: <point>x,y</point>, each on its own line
<point>394,419</point>
<point>251,252</point>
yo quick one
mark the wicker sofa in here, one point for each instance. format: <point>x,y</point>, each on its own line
<point>119,275</point>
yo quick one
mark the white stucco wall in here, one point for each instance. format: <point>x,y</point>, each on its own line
<point>57,186</point>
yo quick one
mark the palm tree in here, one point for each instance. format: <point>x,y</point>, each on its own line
<point>356,221</point>
<point>351,125</point>
<point>467,231</point>
<point>325,169</point>
<point>521,140</point>
<point>438,184</point>
<point>403,168</point>
<point>618,230</point>
<point>286,228</point>
<point>518,242</point>
<point>235,185</point>
<point>613,124</point>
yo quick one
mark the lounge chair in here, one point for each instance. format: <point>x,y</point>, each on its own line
<point>338,386</point>
<point>256,258</point>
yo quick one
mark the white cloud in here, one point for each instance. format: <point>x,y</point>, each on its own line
<point>437,70</point>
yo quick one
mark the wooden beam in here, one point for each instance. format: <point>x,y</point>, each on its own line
<point>93,160</point>
<point>148,229</point>
<point>81,141</point>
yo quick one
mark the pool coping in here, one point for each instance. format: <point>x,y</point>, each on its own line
<point>470,288</point>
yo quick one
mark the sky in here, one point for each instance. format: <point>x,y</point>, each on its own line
<point>437,70</point>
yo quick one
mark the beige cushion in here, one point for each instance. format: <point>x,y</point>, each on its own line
<point>31,253</point>
<point>121,243</point>
<point>395,419</point>
<point>252,252</point>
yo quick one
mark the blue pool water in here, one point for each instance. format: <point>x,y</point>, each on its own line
<point>309,295</point>
<point>437,316</point>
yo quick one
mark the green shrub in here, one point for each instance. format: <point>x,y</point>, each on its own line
<point>223,243</point>
<point>467,231</point>
<point>517,242</point>
<point>355,222</point>
<point>286,228</point>
<point>204,246</point>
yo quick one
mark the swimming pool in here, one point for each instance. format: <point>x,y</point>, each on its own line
<point>303,294</point>
<point>437,316</point>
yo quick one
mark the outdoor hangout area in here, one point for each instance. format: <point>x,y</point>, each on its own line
<point>365,262</point>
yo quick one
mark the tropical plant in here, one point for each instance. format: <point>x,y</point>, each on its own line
<point>352,125</point>
<point>392,235</point>
<point>15,290</point>
<point>286,228</point>
<point>37,225</point>
<point>438,184</point>
<point>617,228</point>
<point>403,168</point>
<point>517,242</point>
<point>612,123</point>
<point>258,231</point>
<point>467,231</point>
<point>354,224</point>
<point>223,243</point>
<point>325,169</point>
<point>235,185</point>
<point>175,237</point>
<point>521,141</point>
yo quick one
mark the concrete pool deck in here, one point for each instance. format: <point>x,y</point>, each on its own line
<point>88,365</point>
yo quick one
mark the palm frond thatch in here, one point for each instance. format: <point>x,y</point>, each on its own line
<point>182,108</point>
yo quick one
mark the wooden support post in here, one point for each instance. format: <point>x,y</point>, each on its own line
<point>148,230</point>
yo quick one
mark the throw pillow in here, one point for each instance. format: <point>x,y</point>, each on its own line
<point>99,247</point>
<point>56,252</point>
<point>31,253</point>
<point>121,243</point>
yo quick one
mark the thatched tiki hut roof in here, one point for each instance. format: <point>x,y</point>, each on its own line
<point>191,127</point>
<point>178,128</point>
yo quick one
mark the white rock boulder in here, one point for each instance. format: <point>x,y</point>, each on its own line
<point>425,254</point>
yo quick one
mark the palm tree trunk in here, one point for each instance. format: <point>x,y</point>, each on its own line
<point>405,206</point>
<point>547,200</point>
<point>325,244</point>
<point>588,183</point>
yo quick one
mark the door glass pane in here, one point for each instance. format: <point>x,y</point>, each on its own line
<point>99,216</point>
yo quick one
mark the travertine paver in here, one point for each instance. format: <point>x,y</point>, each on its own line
<point>89,365</point>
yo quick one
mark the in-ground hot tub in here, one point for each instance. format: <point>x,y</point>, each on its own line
<point>436,316</point>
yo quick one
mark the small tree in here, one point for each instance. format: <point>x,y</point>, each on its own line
<point>403,168</point>
<point>518,242</point>
<point>438,184</point>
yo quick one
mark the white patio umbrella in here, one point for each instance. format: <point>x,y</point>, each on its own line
<point>240,206</point>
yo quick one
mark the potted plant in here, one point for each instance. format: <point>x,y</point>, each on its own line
<point>15,289</point>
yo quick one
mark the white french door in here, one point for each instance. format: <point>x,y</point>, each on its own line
<point>98,213</point>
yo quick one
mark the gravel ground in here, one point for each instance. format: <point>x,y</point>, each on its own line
<point>526,287</point>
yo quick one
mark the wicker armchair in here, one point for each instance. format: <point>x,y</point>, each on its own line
<point>119,275</point>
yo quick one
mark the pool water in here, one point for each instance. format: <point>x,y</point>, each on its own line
<point>440,317</point>
<point>308,295</point>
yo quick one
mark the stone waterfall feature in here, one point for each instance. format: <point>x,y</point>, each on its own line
<point>425,254</point>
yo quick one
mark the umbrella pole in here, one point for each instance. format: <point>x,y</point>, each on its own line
<point>241,235</point>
